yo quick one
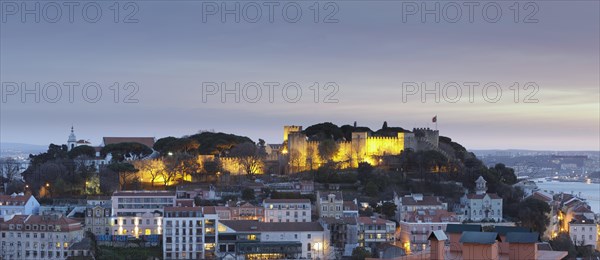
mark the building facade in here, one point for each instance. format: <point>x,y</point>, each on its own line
<point>330,204</point>
<point>373,231</point>
<point>98,220</point>
<point>416,202</point>
<point>39,237</point>
<point>245,239</point>
<point>136,213</point>
<point>416,227</point>
<point>583,232</point>
<point>481,205</point>
<point>18,204</point>
<point>287,210</point>
<point>190,233</point>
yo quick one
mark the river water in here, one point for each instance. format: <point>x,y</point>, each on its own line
<point>590,192</point>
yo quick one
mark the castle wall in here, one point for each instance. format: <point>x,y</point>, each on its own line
<point>303,154</point>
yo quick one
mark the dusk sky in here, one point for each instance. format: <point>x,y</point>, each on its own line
<point>369,53</point>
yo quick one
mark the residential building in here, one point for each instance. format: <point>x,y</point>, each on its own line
<point>350,209</point>
<point>38,237</point>
<point>416,227</point>
<point>247,211</point>
<point>190,233</point>
<point>481,205</point>
<point>18,204</point>
<point>343,234</point>
<point>287,210</point>
<point>98,219</point>
<point>130,203</point>
<point>583,231</point>
<point>330,204</point>
<point>138,213</point>
<point>373,231</point>
<point>416,202</point>
<point>247,239</point>
<point>138,224</point>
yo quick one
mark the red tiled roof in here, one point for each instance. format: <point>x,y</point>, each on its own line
<point>184,202</point>
<point>148,141</point>
<point>541,196</point>
<point>431,216</point>
<point>342,220</point>
<point>66,224</point>
<point>17,200</point>
<point>427,200</point>
<point>349,205</point>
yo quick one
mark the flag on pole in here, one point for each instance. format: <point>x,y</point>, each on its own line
<point>434,119</point>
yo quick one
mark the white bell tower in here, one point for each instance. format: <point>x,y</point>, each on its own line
<point>72,142</point>
<point>480,186</point>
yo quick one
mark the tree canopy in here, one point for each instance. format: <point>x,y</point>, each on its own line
<point>121,151</point>
<point>82,150</point>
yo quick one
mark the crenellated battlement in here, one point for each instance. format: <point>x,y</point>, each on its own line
<point>303,153</point>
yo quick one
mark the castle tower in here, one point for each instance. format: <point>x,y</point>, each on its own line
<point>72,142</point>
<point>480,186</point>
<point>288,129</point>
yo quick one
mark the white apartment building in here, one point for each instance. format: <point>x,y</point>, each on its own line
<point>138,213</point>
<point>138,225</point>
<point>287,210</point>
<point>18,204</point>
<point>190,233</point>
<point>248,239</point>
<point>130,203</point>
<point>38,237</point>
<point>583,231</point>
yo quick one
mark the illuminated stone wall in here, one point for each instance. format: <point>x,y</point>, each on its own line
<point>304,154</point>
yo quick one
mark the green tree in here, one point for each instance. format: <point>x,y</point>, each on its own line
<point>161,145</point>
<point>563,242</point>
<point>360,253</point>
<point>120,151</point>
<point>533,214</point>
<point>327,149</point>
<point>126,173</point>
<point>388,209</point>
<point>248,194</point>
<point>364,171</point>
<point>82,150</point>
<point>247,154</point>
<point>371,189</point>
